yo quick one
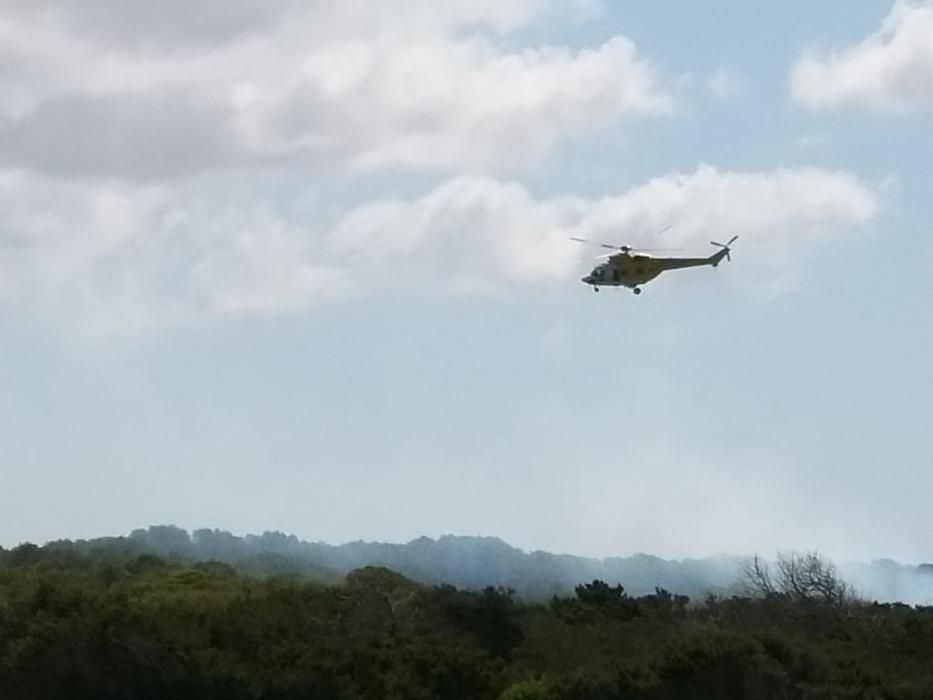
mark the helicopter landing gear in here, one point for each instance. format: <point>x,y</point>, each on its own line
<point>636,291</point>
<point>596,289</point>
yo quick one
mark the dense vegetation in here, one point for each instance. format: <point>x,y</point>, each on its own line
<point>103,620</point>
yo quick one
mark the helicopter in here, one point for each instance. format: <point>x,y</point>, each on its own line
<point>623,269</point>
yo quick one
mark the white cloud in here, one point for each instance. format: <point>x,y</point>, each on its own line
<point>889,71</point>
<point>64,248</point>
<point>124,257</point>
<point>448,104</point>
<point>118,257</point>
<point>474,230</point>
<point>110,88</point>
<point>486,230</point>
<point>786,205</point>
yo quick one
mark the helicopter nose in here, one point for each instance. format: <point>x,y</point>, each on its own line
<point>587,280</point>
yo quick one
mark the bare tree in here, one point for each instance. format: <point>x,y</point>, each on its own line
<point>756,578</point>
<point>808,577</point>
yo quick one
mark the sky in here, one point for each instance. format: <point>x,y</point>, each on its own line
<point>304,266</point>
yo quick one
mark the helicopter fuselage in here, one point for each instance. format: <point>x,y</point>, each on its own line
<point>626,270</point>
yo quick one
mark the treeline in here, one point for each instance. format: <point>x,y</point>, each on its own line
<point>106,621</point>
<point>474,562</point>
<point>468,562</point>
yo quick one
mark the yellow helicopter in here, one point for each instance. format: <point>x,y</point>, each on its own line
<point>625,269</point>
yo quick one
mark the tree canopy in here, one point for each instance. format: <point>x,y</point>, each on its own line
<point>114,620</point>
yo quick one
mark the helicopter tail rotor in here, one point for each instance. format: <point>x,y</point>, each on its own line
<point>725,248</point>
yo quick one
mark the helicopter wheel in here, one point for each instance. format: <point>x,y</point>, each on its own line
<point>636,291</point>
<point>596,289</point>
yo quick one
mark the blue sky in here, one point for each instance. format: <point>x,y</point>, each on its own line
<point>306,269</point>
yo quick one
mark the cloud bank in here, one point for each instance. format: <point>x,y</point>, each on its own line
<point>160,166</point>
<point>160,253</point>
<point>110,89</point>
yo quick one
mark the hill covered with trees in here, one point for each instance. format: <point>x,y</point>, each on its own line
<point>476,562</point>
<point>470,562</point>
<point>110,619</point>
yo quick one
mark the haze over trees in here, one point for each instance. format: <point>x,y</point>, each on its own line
<point>475,562</point>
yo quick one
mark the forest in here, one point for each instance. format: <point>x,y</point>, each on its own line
<point>109,619</point>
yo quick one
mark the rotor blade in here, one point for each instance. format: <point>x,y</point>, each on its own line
<point>597,243</point>
<point>725,245</point>
<point>644,250</point>
<point>612,245</point>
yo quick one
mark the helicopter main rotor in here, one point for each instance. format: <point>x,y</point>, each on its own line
<point>625,248</point>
